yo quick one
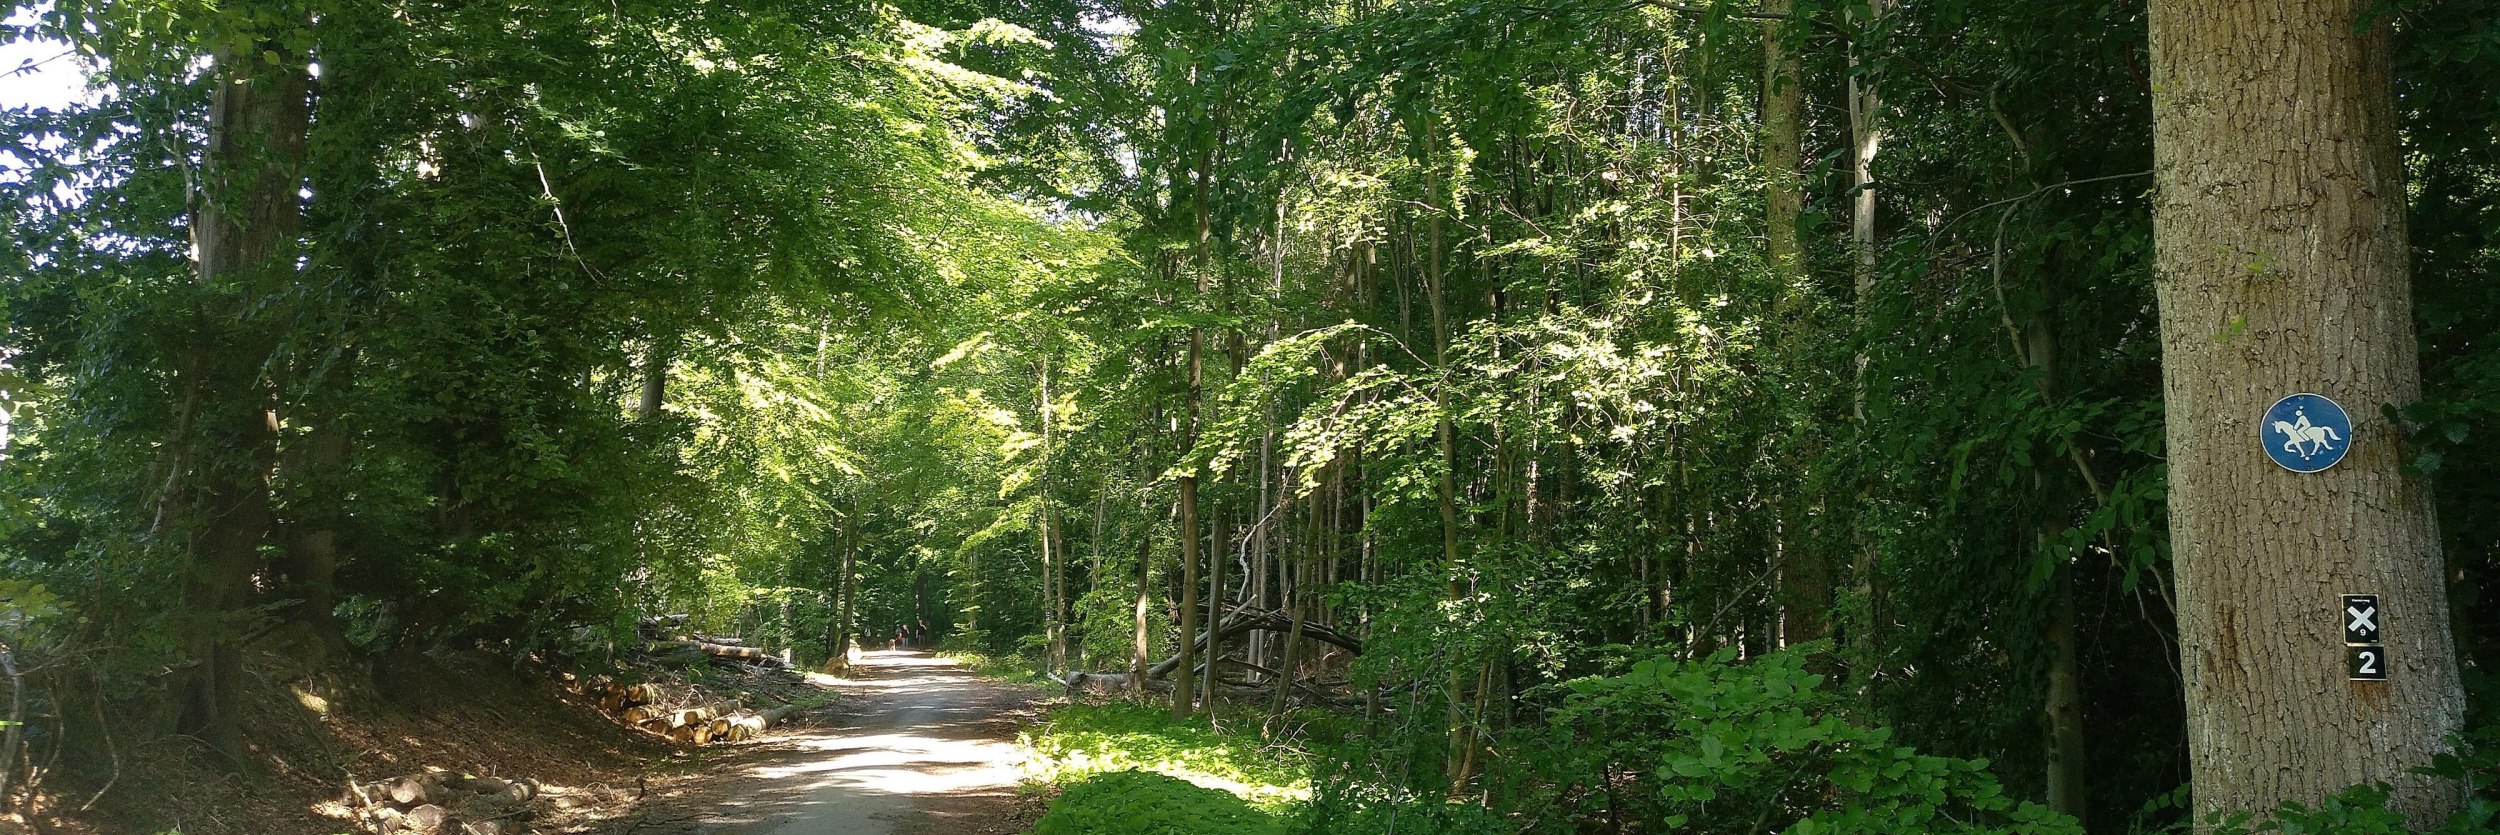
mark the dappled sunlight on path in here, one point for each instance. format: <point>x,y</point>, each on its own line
<point>926,744</point>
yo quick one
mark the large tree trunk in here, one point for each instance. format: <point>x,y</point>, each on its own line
<point>1805,574</point>
<point>243,226</point>
<point>2279,225</point>
<point>312,541</point>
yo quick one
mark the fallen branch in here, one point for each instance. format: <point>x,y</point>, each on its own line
<point>1241,623</point>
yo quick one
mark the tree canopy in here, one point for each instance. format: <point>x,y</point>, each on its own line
<point>1783,378</point>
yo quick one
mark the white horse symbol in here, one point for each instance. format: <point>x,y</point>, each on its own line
<point>2297,434</point>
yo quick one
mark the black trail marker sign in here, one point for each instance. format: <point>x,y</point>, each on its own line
<point>2365,656</point>
<point>2361,619</point>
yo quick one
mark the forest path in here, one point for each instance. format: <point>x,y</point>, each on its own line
<point>924,747</point>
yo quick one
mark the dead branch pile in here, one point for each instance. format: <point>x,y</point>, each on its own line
<point>444,803</point>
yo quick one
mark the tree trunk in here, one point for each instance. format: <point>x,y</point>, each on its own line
<point>243,227</point>
<point>312,543</point>
<point>1462,734</point>
<point>1866,136</point>
<point>2068,769</point>
<point>2281,268</point>
<point>1141,647</point>
<point>655,364</point>
<point>841,631</point>
<point>1805,574</point>
<point>1054,627</point>
<point>1181,689</point>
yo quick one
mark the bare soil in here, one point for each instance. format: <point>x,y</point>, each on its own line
<point>470,712</point>
<point>922,747</point>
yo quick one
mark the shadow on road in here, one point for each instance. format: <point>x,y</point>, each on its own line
<point>924,747</point>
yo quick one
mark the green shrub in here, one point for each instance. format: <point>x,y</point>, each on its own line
<point>1716,746</point>
<point>1145,803</point>
<point>1708,746</point>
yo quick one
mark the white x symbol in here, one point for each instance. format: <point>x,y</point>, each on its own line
<point>2363,620</point>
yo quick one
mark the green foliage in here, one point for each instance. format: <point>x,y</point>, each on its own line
<point>1146,803</point>
<point>1717,746</point>
<point>1081,740</point>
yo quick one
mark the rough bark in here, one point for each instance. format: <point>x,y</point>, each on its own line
<point>244,224</point>
<point>1805,580</point>
<point>2281,268</point>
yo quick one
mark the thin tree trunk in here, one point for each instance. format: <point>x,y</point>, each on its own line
<point>1866,136</point>
<point>1183,689</point>
<point>845,596</point>
<point>1445,487</point>
<point>2279,232</point>
<point>1054,627</point>
<point>2068,769</point>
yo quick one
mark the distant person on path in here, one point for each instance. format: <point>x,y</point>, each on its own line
<point>898,640</point>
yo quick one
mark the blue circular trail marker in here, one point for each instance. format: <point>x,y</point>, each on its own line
<point>2305,433</point>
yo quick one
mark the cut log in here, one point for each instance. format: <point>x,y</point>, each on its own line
<point>638,714</point>
<point>418,789</point>
<point>428,819</point>
<point>777,715</point>
<point>490,786</point>
<point>739,728</point>
<point>751,655</point>
<point>1104,683</point>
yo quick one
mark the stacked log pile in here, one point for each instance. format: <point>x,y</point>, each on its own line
<point>444,803</point>
<point>729,707</point>
<point>690,714</point>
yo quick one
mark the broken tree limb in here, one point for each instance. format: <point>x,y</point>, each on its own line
<point>1243,622</point>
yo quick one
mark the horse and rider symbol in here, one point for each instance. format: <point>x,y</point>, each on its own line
<point>2306,433</point>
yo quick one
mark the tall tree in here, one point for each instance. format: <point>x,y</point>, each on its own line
<point>244,224</point>
<point>2280,232</point>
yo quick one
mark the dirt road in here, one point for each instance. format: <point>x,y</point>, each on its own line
<point>923,747</point>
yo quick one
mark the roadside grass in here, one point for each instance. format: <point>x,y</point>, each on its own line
<point>1011,669</point>
<point>1081,741</point>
